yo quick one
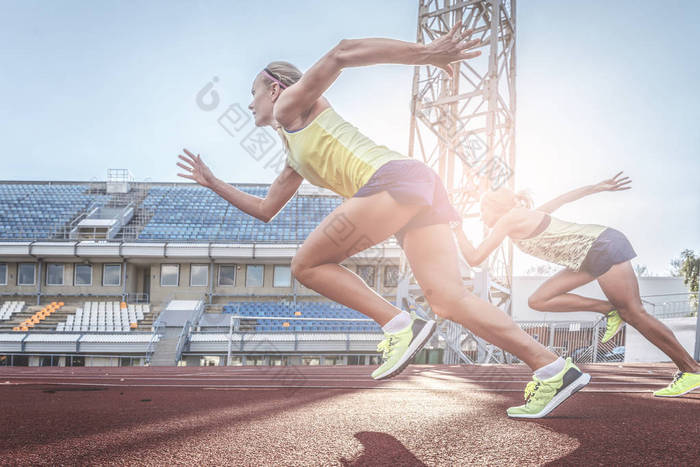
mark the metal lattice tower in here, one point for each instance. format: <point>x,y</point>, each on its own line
<point>465,129</point>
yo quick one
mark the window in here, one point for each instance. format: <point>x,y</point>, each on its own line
<point>26,274</point>
<point>367,274</point>
<point>199,275</point>
<point>3,274</point>
<point>169,275</point>
<point>282,276</point>
<point>54,274</point>
<point>83,274</point>
<point>391,276</point>
<point>227,275</point>
<point>112,274</point>
<point>254,275</point>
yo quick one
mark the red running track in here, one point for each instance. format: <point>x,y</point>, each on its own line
<point>428,415</point>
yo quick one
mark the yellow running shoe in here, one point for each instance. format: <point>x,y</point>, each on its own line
<point>682,383</point>
<point>400,347</point>
<point>544,395</point>
<point>612,326</point>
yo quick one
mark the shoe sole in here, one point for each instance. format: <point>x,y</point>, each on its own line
<point>417,344</point>
<point>556,401</point>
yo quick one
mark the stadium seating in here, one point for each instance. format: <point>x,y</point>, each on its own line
<point>39,316</point>
<point>287,313</point>
<point>38,210</point>
<point>10,308</point>
<point>104,317</point>
<point>186,213</point>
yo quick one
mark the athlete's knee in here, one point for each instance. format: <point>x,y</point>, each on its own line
<point>536,302</point>
<point>632,314</point>
<point>449,301</point>
<point>300,268</point>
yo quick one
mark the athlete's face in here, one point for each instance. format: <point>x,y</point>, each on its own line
<point>264,98</point>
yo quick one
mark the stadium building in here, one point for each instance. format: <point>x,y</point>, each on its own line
<point>122,273</point>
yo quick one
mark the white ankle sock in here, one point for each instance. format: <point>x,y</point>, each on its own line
<point>550,370</point>
<point>397,323</point>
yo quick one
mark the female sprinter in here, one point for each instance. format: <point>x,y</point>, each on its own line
<point>386,193</point>
<point>588,252</point>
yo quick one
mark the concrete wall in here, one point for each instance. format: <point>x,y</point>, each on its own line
<point>184,291</point>
<point>158,294</point>
<point>524,286</point>
<point>68,286</point>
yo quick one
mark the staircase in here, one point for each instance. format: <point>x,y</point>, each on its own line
<point>166,348</point>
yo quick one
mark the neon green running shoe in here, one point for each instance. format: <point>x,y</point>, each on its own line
<point>398,348</point>
<point>612,326</point>
<point>543,396</point>
<point>682,383</point>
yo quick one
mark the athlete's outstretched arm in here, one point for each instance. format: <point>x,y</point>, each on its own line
<point>265,209</point>
<point>300,96</point>
<point>611,184</point>
<point>476,256</point>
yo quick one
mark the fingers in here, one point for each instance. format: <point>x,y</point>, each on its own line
<point>618,174</point>
<point>467,56</point>
<point>448,69</point>
<point>181,165</point>
<point>192,156</point>
<point>186,176</point>
<point>457,26</point>
<point>470,44</point>
<point>183,158</point>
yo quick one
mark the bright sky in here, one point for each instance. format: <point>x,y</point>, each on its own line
<point>602,86</point>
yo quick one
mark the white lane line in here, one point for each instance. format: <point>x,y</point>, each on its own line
<point>390,388</point>
<point>359,380</point>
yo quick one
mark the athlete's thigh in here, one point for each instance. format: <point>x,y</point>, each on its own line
<point>620,286</point>
<point>355,225</point>
<point>432,254</point>
<point>562,282</point>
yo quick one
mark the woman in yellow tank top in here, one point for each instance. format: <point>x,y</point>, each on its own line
<point>387,194</point>
<point>588,252</point>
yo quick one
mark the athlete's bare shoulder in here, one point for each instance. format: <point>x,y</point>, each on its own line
<point>307,117</point>
<point>523,221</point>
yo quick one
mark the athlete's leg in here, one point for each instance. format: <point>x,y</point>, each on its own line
<point>622,289</point>
<point>553,294</point>
<point>352,227</point>
<point>432,254</point>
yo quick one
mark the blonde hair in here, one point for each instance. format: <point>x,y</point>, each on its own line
<point>504,199</point>
<point>288,74</point>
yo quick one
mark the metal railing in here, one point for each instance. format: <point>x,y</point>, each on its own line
<point>137,297</point>
<point>158,332</point>
<point>182,340</point>
<point>675,305</point>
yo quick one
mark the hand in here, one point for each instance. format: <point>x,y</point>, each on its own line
<point>197,169</point>
<point>614,184</point>
<point>452,47</point>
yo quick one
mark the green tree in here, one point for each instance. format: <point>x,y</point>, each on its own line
<point>688,266</point>
<point>641,270</point>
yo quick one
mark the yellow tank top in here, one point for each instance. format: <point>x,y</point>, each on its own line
<point>331,153</point>
<point>562,242</point>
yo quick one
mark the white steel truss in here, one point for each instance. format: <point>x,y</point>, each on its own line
<point>465,129</point>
